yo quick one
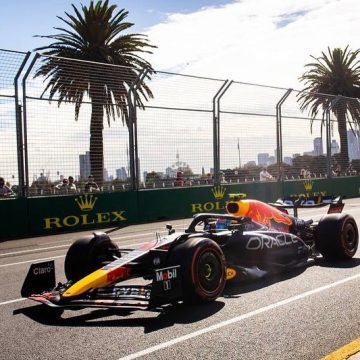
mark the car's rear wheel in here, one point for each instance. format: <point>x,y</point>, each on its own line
<point>337,236</point>
<point>202,267</point>
<point>88,254</point>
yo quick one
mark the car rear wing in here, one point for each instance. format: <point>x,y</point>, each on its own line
<point>335,204</point>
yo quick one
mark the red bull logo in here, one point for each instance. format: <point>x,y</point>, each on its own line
<point>261,213</point>
<point>118,273</point>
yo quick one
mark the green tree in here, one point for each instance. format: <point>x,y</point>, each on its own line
<point>335,73</point>
<point>96,34</point>
<point>152,176</point>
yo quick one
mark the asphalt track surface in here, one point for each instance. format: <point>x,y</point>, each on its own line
<point>305,314</point>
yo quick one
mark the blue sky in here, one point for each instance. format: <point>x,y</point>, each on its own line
<point>21,19</point>
<point>258,41</point>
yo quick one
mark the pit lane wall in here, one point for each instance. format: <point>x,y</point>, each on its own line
<point>24,217</point>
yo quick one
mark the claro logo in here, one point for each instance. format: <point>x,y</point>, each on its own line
<point>43,270</point>
<point>86,204</point>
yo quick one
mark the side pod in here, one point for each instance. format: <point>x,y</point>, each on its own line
<point>40,278</point>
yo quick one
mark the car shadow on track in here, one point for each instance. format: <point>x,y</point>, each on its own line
<point>159,319</point>
<point>341,264</point>
<point>235,289</point>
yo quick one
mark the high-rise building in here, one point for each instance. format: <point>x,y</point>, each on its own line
<point>272,160</point>
<point>85,168</point>
<point>318,146</point>
<point>263,159</point>
<point>105,174</point>
<point>335,148</point>
<point>121,173</point>
<point>353,144</point>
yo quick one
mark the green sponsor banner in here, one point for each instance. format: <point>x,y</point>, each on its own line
<point>14,219</point>
<point>175,203</point>
<point>344,186</point>
<point>81,212</point>
<point>47,215</point>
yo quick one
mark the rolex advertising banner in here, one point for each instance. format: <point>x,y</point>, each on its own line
<point>81,212</point>
<point>48,215</point>
<point>344,186</point>
<point>184,202</point>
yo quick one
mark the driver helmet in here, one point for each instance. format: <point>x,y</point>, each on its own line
<point>222,223</point>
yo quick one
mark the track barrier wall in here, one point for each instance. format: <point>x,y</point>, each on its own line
<point>36,216</point>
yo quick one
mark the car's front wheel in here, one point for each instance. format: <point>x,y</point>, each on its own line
<point>202,267</point>
<point>88,254</point>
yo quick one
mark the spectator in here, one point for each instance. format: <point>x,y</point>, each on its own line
<point>71,185</point>
<point>179,181</point>
<point>305,173</point>
<point>222,178</point>
<point>338,170</point>
<point>265,175</point>
<point>350,170</point>
<point>5,191</point>
<point>91,185</point>
<point>63,186</point>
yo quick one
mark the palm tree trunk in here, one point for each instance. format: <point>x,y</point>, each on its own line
<point>342,129</point>
<point>96,140</point>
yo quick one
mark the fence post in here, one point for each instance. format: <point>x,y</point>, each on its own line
<point>216,128</point>
<point>133,146</point>
<point>26,160</point>
<point>279,135</point>
<point>333,102</point>
<point>19,129</point>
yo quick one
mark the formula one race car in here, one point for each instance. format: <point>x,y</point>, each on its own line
<point>252,240</point>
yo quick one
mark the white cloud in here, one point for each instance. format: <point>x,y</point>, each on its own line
<point>258,41</point>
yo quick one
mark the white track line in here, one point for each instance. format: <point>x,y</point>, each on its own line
<point>21,252</point>
<point>33,261</point>
<point>59,247</point>
<point>12,301</point>
<point>236,319</point>
<point>57,257</point>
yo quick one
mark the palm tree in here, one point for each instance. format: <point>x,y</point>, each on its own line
<point>336,73</point>
<point>96,34</point>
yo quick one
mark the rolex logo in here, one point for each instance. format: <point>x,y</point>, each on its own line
<point>86,202</point>
<point>218,192</point>
<point>308,185</point>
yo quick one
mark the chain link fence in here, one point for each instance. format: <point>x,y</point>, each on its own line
<point>141,129</point>
<point>12,63</point>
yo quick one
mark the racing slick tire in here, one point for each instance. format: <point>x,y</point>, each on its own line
<point>337,236</point>
<point>202,267</point>
<point>88,254</point>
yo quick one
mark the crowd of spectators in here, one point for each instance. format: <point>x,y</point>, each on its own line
<point>43,186</point>
<point>5,189</point>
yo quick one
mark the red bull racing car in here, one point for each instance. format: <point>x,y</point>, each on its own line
<point>252,240</point>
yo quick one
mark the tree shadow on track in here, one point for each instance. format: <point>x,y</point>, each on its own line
<point>160,319</point>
